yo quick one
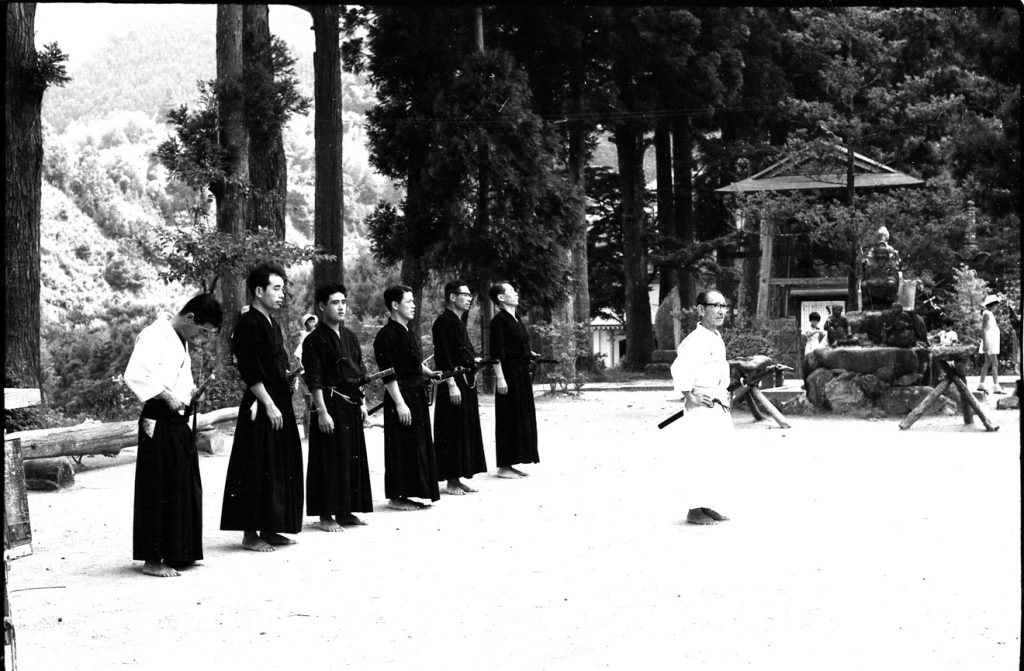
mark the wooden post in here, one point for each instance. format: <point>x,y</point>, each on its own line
<point>923,406</point>
<point>969,397</point>
<point>769,408</point>
<point>764,279</point>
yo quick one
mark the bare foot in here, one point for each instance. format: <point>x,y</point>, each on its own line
<point>159,569</point>
<point>466,488</point>
<point>404,504</point>
<point>522,474</point>
<point>713,515</point>
<point>250,541</point>
<point>697,516</point>
<point>275,538</point>
<point>509,473</point>
<point>453,490</point>
<point>351,520</point>
<point>327,524</point>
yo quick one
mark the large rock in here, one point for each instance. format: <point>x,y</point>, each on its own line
<point>886,363</point>
<point>815,385</point>
<point>1008,403</point>
<point>901,400</point>
<point>872,386</point>
<point>844,396</point>
<point>665,323</point>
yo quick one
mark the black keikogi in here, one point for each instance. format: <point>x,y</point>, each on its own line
<point>515,417</point>
<point>337,472</point>
<point>263,488</point>
<point>458,441</point>
<point>410,469</point>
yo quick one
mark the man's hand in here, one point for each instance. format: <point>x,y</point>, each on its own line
<point>501,386</point>
<point>404,414</point>
<point>454,395</point>
<point>700,398</point>
<point>172,401</point>
<point>324,421</point>
<point>363,414</point>
<point>275,416</point>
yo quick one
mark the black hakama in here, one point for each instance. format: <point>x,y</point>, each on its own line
<point>338,474</point>
<point>458,441</point>
<point>515,416</point>
<point>263,488</point>
<point>410,468</point>
<point>168,521</point>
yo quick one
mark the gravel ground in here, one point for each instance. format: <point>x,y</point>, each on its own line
<point>852,545</point>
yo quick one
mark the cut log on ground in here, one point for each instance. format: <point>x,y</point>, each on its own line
<point>97,438</point>
<point>48,475</point>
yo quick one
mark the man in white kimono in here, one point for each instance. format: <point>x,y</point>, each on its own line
<point>168,519</point>
<point>700,373</point>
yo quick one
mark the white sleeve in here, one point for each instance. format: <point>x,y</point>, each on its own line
<point>683,369</point>
<point>142,375</point>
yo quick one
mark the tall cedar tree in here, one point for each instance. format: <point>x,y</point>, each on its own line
<point>28,74</point>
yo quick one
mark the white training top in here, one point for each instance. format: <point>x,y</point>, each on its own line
<point>160,361</point>
<point>700,363</point>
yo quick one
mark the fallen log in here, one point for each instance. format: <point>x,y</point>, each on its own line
<point>107,438</point>
<point>49,475</point>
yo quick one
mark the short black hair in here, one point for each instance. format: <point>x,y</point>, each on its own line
<point>702,297</point>
<point>324,292</point>
<point>496,290</point>
<point>814,317</point>
<point>837,308</point>
<point>205,309</point>
<point>453,288</point>
<point>394,294</point>
<point>259,276</point>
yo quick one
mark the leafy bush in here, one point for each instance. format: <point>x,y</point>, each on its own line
<point>744,339</point>
<point>567,343</point>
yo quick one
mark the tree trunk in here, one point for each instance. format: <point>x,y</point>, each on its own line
<point>639,332</point>
<point>268,170</point>
<point>682,154</point>
<point>106,438</point>
<point>577,177</point>
<point>328,133</point>
<point>666,202</point>
<point>23,101</point>
<point>853,278</point>
<point>232,206</point>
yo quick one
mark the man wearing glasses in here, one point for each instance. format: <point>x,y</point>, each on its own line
<point>168,519</point>
<point>701,374</point>
<point>458,441</point>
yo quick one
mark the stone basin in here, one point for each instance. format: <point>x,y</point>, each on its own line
<point>886,363</point>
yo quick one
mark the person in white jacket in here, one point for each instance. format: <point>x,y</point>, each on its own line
<point>168,518</point>
<point>700,373</point>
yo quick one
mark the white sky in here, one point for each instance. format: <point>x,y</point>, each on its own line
<point>81,28</point>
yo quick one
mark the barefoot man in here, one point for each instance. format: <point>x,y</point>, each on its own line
<point>410,469</point>
<point>515,417</point>
<point>700,373</point>
<point>457,437</point>
<point>168,524</point>
<point>337,475</point>
<point>263,488</point>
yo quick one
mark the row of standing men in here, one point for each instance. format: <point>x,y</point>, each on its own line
<point>263,492</point>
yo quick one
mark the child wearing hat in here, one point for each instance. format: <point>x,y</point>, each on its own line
<point>990,345</point>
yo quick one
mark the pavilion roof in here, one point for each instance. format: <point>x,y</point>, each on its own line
<point>822,169</point>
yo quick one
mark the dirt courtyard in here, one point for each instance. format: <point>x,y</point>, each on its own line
<point>852,545</point>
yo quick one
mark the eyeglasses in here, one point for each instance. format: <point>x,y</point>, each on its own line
<point>209,330</point>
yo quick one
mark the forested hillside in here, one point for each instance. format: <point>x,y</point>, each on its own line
<point>106,196</point>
